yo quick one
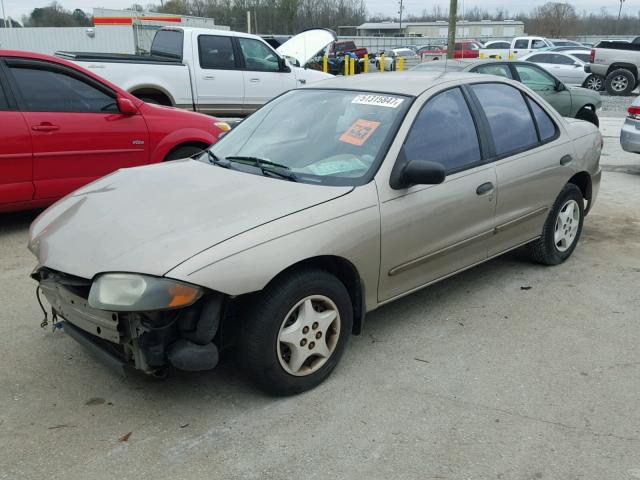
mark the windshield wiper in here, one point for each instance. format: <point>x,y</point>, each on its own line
<point>216,161</point>
<point>280,170</point>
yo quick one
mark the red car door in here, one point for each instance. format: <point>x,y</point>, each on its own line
<point>16,167</point>
<point>77,130</point>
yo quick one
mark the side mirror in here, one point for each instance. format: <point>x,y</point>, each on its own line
<point>284,67</point>
<point>560,87</point>
<point>418,172</point>
<point>126,106</point>
<point>577,64</point>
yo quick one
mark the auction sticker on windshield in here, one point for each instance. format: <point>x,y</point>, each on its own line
<point>359,132</point>
<point>378,100</point>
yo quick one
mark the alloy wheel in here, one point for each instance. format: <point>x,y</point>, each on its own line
<point>308,335</point>
<point>567,224</point>
<point>594,83</point>
<point>619,83</point>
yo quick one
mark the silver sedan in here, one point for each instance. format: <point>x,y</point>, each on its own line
<point>630,134</point>
<point>325,204</point>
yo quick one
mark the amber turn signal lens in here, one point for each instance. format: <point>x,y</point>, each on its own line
<point>224,126</point>
<point>182,295</point>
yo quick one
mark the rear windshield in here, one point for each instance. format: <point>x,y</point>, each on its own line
<point>167,43</point>
<point>341,47</point>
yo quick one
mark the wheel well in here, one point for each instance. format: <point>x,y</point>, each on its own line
<point>157,95</point>
<point>186,144</point>
<point>582,180</point>
<point>626,66</point>
<point>347,274</point>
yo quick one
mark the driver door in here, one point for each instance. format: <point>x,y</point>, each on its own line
<point>77,132</point>
<point>546,86</point>
<point>431,231</point>
<point>263,78</point>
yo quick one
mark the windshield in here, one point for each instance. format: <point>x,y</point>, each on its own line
<point>330,137</point>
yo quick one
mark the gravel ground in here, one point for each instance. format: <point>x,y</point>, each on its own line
<point>615,106</point>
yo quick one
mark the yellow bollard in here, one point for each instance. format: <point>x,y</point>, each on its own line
<point>325,64</point>
<point>401,64</point>
<point>352,66</point>
<point>382,62</point>
<point>482,55</point>
<point>346,64</point>
<point>365,67</point>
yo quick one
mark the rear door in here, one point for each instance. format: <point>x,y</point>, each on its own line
<point>218,77</point>
<point>527,151</point>
<point>16,159</point>
<point>263,77</point>
<point>77,131</point>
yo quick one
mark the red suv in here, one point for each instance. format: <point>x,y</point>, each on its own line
<point>61,127</point>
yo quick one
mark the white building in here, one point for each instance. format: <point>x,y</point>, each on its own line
<point>440,29</point>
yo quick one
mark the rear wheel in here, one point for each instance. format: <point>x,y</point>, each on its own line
<point>594,82</point>
<point>295,332</point>
<point>562,228</point>
<point>183,152</point>
<point>620,82</point>
<point>589,115</point>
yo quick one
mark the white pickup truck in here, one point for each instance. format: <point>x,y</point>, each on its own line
<point>519,47</point>
<point>211,71</point>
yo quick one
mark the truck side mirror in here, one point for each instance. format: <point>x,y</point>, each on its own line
<point>284,67</point>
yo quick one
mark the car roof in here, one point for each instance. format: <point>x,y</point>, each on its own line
<point>459,64</point>
<point>400,83</point>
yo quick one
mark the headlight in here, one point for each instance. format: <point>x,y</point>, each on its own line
<point>130,292</point>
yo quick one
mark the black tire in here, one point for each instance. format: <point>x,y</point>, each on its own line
<point>588,115</point>
<point>620,82</point>
<point>258,342</point>
<point>594,82</point>
<point>183,152</point>
<point>544,250</point>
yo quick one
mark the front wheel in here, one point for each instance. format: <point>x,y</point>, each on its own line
<point>295,332</point>
<point>562,228</point>
<point>589,115</point>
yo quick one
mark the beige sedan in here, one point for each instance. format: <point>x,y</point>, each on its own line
<point>325,204</point>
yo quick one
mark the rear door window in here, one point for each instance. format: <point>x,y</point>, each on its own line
<point>562,60</point>
<point>521,44</point>
<point>216,52</point>
<point>428,139</point>
<point>510,121</point>
<point>497,69</point>
<point>167,43</point>
<point>4,105</point>
<point>541,58</point>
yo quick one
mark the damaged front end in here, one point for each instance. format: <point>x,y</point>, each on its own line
<point>129,320</point>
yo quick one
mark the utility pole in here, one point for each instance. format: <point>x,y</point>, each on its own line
<point>400,12</point>
<point>4,16</point>
<point>451,43</point>
<point>619,15</point>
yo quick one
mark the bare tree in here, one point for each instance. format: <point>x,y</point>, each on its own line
<point>555,19</point>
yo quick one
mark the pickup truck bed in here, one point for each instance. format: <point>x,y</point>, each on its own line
<point>116,58</point>
<point>617,64</point>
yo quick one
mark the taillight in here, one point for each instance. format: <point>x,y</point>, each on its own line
<point>633,112</point>
<point>592,56</point>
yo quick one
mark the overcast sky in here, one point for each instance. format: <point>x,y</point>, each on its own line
<point>17,8</point>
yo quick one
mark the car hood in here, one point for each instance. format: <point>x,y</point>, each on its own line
<point>150,219</point>
<point>306,45</point>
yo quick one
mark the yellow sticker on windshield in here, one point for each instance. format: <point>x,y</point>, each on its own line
<point>359,132</point>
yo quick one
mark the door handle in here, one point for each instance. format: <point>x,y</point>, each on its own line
<point>566,160</point>
<point>209,77</point>
<point>45,127</point>
<point>485,188</point>
<point>254,80</point>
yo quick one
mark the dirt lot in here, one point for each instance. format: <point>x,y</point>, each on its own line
<point>508,371</point>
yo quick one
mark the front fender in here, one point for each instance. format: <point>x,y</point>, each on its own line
<point>179,137</point>
<point>347,227</point>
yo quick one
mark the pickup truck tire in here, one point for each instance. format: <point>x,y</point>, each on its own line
<point>594,82</point>
<point>561,230</point>
<point>295,331</point>
<point>620,82</point>
<point>183,152</point>
<point>588,115</point>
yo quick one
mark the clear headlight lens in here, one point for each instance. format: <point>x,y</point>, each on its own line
<point>130,292</point>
